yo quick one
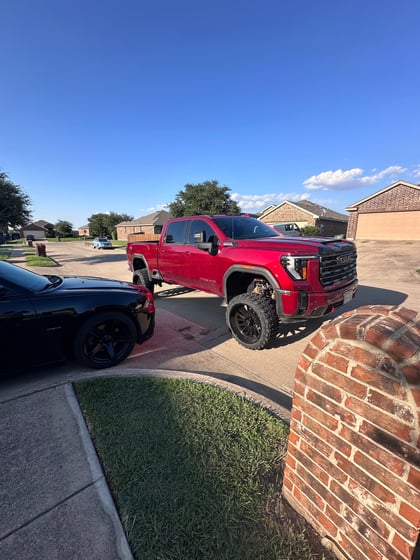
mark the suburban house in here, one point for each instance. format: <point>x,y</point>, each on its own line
<point>391,213</point>
<point>147,225</point>
<point>39,229</point>
<point>306,213</point>
<point>83,230</point>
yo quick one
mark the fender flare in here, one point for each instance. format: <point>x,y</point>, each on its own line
<point>259,271</point>
<point>139,256</point>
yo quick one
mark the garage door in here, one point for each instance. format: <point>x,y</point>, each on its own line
<point>389,225</point>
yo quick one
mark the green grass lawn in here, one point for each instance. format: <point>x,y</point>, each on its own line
<point>6,250</point>
<point>195,471</point>
<point>4,254</point>
<point>32,259</point>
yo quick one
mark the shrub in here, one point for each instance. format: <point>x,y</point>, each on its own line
<point>311,231</point>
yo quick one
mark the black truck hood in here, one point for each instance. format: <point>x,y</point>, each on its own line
<point>299,245</point>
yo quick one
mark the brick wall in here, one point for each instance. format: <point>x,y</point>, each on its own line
<point>352,225</point>
<point>289,213</point>
<point>353,463</point>
<point>399,199</point>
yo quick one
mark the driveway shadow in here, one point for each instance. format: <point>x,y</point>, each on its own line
<point>371,295</point>
<point>171,292</point>
<point>210,313</point>
<point>93,260</point>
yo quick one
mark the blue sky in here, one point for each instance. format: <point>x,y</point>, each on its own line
<point>116,105</point>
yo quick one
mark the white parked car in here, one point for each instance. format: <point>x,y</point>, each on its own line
<point>101,243</point>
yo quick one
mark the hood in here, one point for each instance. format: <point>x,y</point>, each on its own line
<point>91,283</point>
<point>300,245</point>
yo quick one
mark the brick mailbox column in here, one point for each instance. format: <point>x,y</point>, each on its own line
<point>353,462</point>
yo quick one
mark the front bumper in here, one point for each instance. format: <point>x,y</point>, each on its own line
<point>146,324</point>
<point>300,305</point>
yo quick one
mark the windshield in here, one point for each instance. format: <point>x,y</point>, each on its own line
<point>23,278</point>
<point>243,227</point>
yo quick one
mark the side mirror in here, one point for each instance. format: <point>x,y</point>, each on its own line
<point>209,246</point>
<point>204,246</point>
<point>199,237</point>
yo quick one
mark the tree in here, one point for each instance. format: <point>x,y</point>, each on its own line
<point>14,205</point>
<point>63,228</point>
<point>203,198</point>
<point>103,224</point>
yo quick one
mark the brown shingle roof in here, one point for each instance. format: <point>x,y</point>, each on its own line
<point>307,206</point>
<point>156,219</point>
<point>321,211</point>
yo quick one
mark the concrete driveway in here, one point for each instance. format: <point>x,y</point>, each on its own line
<point>191,333</point>
<point>55,502</point>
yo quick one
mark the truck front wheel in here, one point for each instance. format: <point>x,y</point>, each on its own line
<point>252,319</point>
<point>141,277</point>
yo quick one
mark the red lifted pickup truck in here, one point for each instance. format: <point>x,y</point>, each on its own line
<point>265,278</point>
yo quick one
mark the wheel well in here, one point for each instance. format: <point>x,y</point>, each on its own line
<point>138,263</point>
<point>240,282</point>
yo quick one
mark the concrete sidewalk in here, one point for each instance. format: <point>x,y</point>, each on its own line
<point>54,499</point>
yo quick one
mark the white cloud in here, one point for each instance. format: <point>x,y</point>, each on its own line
<point>392,170</point>
<point>416,172</point>
<point>341,180</point>
<point>257,202</point>
<point>157,208</point>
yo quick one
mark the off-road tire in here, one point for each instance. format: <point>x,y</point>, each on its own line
<point>141,277</point>
<point>252,320</point>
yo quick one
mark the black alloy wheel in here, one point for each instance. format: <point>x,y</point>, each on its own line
<point>105,340</point>
<point>252,320</point>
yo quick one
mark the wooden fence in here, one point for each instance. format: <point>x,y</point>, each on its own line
<point>143,237</point>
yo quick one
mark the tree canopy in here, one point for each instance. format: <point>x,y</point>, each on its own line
<point>14,205</point>
<point>63,228</point>
<point>103,224</point>
<point>203,198</point>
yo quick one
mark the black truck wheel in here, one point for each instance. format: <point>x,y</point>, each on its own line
<point>141,278</point>
<point>252,319</point>
<point>105,340</point>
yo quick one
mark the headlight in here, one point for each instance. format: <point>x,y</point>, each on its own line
<point>296,267</point>
<point>146,304</point>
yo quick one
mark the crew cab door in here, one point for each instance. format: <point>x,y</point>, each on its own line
<point>202,262</point>
<point>172,254</point>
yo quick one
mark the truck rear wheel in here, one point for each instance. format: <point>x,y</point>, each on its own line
<point>253,321</point>
<point>141,277</point>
